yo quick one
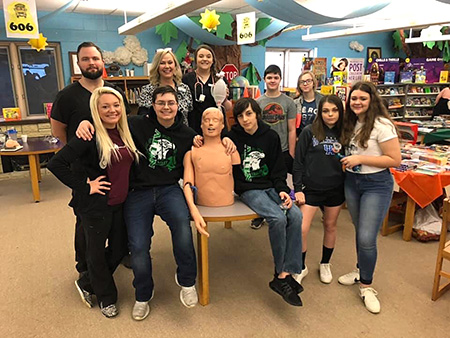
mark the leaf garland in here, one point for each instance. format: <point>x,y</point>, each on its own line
<point>225,27</point>
<point>167,31</point>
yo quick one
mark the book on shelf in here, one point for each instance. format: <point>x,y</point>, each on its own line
<point>443,76</point>
<point>338,78</point>
<point>421,76</point>
<point>389,77</point>
<point>406,77</point>
<point>12,114</point>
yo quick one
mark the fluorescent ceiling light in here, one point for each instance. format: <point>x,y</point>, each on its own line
<point>169,11</point>
<point>374,28</point>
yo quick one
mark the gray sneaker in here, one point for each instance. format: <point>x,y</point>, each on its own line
<point>140,310</point>
<point>188,294</point>
<point>109,311</point>
<point>86,297</point>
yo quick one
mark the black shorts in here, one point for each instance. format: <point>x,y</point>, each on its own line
<point>326,198</point>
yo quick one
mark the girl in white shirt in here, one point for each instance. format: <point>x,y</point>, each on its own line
<point>372,147</point>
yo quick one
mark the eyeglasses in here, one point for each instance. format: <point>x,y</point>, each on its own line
<point>306,82</point>
<point>163,50</point>
<point>163,103</point>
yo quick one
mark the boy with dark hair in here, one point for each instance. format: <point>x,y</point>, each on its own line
<point>260,180</point>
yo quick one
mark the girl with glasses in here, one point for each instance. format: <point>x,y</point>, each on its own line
<point>307,100</point>
<point>166,71</point>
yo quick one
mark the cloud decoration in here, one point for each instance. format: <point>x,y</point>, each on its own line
<point>355,45</point>
<point>130,52</point>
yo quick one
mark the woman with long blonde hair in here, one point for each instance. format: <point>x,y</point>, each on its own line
<point>98,173</point>
<point>165,70</point>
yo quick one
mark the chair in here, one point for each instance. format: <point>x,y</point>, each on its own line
<point>235,212</point>
<point>443,253</point>
<point>399,198</point>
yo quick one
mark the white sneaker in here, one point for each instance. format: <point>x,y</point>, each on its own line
<point>369,296</point>
<point>188,294</point>
<point>325,273</point>
<point>140,310</point>
<point>349,278</point>
<point>299,276</point>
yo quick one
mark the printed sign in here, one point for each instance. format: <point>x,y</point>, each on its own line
<point>230,71</point>
<point>21,19</point>
<point>246,28</point>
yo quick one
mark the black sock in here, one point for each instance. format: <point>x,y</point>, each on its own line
<point>303,260</point>
<point>326,254</point>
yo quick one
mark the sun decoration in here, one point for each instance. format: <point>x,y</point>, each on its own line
<point>209,20</point>
<point>39,43</point>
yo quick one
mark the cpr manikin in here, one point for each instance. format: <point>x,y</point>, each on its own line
<point>209,168</point>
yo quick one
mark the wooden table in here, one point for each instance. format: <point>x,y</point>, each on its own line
<point>33,148</point>
<point>236,212</point>
<point>416,189</point>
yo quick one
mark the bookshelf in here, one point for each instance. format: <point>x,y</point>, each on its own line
<point>410,100</point>
<point>131,85</point>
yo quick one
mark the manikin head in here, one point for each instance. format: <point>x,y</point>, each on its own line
<point>212,122</point>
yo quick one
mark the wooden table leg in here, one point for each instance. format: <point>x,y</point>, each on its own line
<point>203,268</point>
<point>228,225</point>
<point>38,165</point>
<point>33,160</point>
<point>409,219</point>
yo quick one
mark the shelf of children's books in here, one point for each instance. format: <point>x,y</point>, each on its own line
<point>422,94</point>
<point>396,117</point>
<point>420,106</point>
<point>417,117</point>
<point>393,95</point>
<point>396,107</point>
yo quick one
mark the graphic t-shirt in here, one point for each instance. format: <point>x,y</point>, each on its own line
<point>309,113</point>
<point>276,111</point>
<point>253,163</point>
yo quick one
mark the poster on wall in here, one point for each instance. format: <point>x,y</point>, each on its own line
<point>432,67</point>
<point>21,19</point>
<point>320,70</point>
<point>386,69</point>
<point>355,70</point>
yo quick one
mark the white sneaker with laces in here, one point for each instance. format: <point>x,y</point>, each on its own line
<point>140,310</point>
<point>188,294</point>
<point>349,278</point>
<point>325,273</point>
<point>369,296</point>
<point>299,276</point>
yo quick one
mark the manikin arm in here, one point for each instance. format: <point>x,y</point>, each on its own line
<point>188,181</point>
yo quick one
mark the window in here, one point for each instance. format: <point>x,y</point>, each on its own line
<point>29,78</point>
<point>290,61</point>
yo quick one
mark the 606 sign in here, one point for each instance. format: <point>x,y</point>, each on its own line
<point>21,27</point>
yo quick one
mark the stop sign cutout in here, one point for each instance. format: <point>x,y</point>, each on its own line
<point>230,71</point>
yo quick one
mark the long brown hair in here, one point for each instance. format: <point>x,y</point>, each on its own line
<point>376,109</point>
<point>318,124</point>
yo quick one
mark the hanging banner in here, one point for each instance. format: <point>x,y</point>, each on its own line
<point>21,19</point>
<point>246,28</point>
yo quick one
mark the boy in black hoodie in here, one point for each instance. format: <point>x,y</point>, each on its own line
<point>260,180</point>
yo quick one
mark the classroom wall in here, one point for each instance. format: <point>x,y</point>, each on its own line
<point>70,29</point>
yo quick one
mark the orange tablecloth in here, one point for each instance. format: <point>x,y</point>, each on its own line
<point>423,189</point>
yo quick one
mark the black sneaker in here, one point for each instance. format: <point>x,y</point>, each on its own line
<point>294,284</point>
<point>86,297</point>
<point>109,311</point>
<point>284,289</point>
<point>257,223</point>
<point>126,261</point>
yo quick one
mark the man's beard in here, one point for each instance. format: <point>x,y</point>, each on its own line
<point>92,75</point>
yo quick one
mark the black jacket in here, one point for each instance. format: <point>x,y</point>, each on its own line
<point>73,165</point>
<point>316,165</point>
<point>262,163</point>
<point>163,148</point>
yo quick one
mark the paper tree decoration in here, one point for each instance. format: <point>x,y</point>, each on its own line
<point>39,43</point>
<point>209,20</point>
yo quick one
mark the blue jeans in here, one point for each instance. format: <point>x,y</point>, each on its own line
<point>140,208</point>
<point>368,198</point>
<point>285,229</point>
